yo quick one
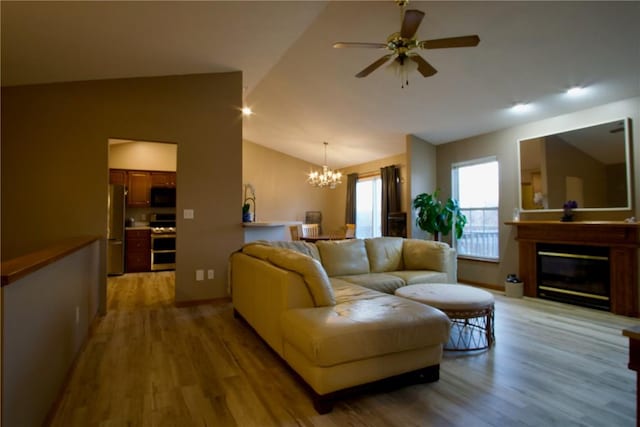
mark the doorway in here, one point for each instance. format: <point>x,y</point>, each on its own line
<point>142,189</point>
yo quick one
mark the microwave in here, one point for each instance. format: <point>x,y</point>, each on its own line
<point>163,197</point>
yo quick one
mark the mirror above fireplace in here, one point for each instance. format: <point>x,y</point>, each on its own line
<point>590,165</point>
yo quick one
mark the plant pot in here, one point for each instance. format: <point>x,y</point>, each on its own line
<point>513,289</point>
<point>568,215</point>
<point>247,217</point>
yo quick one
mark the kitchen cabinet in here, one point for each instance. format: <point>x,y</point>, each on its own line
<point>138,189</point>
<point>138,250</point>
<point>163,179</point>
<point>118,176</point>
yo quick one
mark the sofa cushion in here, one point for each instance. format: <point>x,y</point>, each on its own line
<point>384,253</point>
<point>414,277</point>
<point>363,328</point>
<point>346,292</point>
<point>311,270</point>
<point>298,246</point>
<point>381,282</point>
<point>343,257</point>
<point>425,255</point>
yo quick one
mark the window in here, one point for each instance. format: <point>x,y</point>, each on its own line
<point>368,207</point>
<point>475,185</point>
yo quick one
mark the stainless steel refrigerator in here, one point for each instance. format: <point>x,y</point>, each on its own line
<point>115,230</point>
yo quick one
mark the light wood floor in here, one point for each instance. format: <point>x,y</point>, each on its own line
<point>152,364</point>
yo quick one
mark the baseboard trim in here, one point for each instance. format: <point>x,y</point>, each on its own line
<point>483,285</point>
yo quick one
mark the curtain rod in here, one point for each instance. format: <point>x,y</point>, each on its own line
<point>369,174</point>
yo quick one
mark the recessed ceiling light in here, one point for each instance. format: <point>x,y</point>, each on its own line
<point>575,91</point>
<point>246,111</point>
<point>521,108</point>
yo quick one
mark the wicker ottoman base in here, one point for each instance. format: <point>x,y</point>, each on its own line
<point>471,311</point>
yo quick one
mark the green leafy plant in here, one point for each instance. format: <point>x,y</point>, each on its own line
<point>439,218</point>
<point>245,208</point>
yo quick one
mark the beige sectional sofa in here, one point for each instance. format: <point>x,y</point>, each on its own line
<point>329,311</point>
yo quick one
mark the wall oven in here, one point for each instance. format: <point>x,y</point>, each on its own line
<point>163,242</point>
<point>163,251</point>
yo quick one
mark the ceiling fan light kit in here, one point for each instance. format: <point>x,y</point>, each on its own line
<point>402,44</point>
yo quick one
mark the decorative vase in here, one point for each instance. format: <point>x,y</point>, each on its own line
<point>568,215</point>
<point>246,217</point>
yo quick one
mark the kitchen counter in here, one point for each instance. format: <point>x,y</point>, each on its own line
<point>138,227</point>
<point>270,223</point>
<point>267,230</point>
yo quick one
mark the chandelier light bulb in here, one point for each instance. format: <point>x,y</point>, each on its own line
<point>326,178</point>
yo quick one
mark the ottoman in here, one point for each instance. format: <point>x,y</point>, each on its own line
<point>471,311</point>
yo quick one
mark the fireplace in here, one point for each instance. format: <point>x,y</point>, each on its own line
<point>618,241</point>
<point>574,274</point>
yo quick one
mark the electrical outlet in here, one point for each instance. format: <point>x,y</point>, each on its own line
<point>77,315</point>
<point>199,275</point>
<point>188,214</point>
<point>210,274</point>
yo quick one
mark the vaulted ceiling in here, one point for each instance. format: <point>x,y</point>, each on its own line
<point>303,91</point>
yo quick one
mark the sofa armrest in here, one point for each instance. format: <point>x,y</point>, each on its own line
<point>260,292</point>
<point>452,268</point>
<point>421,254</point>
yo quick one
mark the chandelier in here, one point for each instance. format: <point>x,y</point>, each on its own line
<point>326,178</point>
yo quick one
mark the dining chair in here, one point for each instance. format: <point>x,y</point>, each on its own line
<point>347,231</point>
<point>295,232</point>
<point>310,230</point>
<point>350,231</point>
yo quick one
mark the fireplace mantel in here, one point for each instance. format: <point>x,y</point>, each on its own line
<point>622,239</point>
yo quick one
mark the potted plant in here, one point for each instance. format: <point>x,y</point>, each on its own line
<point>437,218</point>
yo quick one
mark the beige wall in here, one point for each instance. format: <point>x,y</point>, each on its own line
<point>150,156</point>
<point>54,163</point>
<point>421,157</point>
<point>282,193</point>
<point>590,171</point>
<point>335,217</point>
<point>46,318</point>
<point>503,145</point>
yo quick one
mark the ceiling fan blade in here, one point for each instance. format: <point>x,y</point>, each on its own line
<point>374,66</point>
<point>463,41</point>
<point>358,44</point>
<point>424,67</point>
<point>410,23</point>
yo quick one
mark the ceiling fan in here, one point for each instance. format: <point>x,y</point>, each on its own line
<point>402,44</point>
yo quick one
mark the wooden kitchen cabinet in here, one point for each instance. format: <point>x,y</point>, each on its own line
<point>163,179</point>
<point>118,176</point>
<point>137,250</point>
<point>138,188</point>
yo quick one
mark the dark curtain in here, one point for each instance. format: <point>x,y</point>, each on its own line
<point>390,176</point>
<point>350,212</point>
